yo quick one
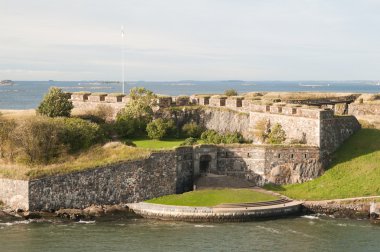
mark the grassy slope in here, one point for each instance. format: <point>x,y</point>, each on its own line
<point>94,157</point>
<point>355,172</point>
<point>157,144</point>
<point>213,197</point>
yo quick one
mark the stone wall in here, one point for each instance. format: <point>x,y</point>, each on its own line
<point>334,131</point>
<point>296,127</point>
<point>185,169</point>
<point>14,193</point>
<point>360,109</point>
<point>117,183</point>
<point>280,165</point>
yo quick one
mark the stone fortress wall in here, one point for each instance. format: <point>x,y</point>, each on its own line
<point>313,126</point>
<point>162,173</point>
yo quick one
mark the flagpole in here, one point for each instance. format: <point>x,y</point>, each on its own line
<point>122,59</point>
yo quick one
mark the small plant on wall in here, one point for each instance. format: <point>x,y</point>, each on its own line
<point>261,130</point>
<point>277,135</point>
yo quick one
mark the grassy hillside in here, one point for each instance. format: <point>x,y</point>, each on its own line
<point>155,144</point>
<point>355,172</point>
<point>213,197</point>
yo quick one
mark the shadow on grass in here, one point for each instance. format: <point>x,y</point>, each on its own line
<point>363,142</point>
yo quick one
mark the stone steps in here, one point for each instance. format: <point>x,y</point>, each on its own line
<point>255,204</point>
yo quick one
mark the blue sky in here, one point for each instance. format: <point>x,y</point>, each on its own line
<point>190,39</point>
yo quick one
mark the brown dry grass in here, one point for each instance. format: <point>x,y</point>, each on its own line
<point>303,95</point>
<point>13,114</point>
<point>95,157</point>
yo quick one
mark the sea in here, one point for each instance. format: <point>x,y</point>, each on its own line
<point>28,94</point>
<point>306,233</point>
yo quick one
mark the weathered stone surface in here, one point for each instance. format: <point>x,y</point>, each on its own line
<point>14,193</point>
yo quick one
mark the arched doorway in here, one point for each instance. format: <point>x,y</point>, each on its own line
<point>204,163</point>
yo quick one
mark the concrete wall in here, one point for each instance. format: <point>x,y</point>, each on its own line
<point>14,193</point>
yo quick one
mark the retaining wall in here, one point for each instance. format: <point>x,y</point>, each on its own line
<point>14,193</point>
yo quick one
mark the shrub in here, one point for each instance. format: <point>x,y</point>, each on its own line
<point>192,130</point>
<point>6,133</point>
<point>277,135</point>
<point>79,134</point>
<point>38,140</point>
<point>189,141</point>
<point>230,92</point>
<point>213,137</point>
<point>55,103</point>
<point>158,128</point>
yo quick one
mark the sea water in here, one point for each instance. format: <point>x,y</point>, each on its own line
<point>28,94</point>
<point>290,234</point>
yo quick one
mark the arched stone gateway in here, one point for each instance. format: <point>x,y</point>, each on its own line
<point>205,159</point>
<point>204,164</point>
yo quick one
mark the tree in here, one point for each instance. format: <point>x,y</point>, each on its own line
<point>192,129</point>
<point>137,113</point>
<point>231,92</point>
<point>55,103</point>
<point>158,128</point>
<point>277,135</point>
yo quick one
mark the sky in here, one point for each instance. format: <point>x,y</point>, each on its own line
<point>169,40</point>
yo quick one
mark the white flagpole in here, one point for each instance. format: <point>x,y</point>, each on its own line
<point>122,58</point>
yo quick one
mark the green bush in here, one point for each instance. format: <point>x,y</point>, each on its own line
<point>192,130</point>
<point>189,141</point>
<point>158,128</point>
<point>79,134</point>
<point>213,137</point>
<point>230,92</point>
<point>277,135</point>
<point>55,103</point>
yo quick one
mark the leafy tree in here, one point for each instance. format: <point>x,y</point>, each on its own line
<point>6,132</point>
<point>137,113</point>
<point>230,92</point>
<point>277,135</point>
<point>158,128</point>
<point>55,103</point>
<point>192,130</point>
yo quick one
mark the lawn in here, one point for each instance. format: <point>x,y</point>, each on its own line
<point>157,144</point>
<point>213,197</point>
<point>355,172</point>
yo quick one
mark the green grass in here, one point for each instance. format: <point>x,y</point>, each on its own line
<point>355,172</point>
<point>154,144</point>
<point>213,197</point>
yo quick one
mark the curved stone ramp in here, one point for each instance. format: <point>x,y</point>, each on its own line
<point>210,180</point>
<point>226,213</point>
<point>255,204</point>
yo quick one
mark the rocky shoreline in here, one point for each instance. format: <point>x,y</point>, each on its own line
<point>87,214</point>
<point>352,208</point>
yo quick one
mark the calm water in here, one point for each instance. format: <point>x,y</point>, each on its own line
<point>296,234</point>
<point>27,94</point>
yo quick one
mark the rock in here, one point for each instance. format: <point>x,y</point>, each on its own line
<point>94,211</point>
<point>32,215</point>
<point>72,214</point>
